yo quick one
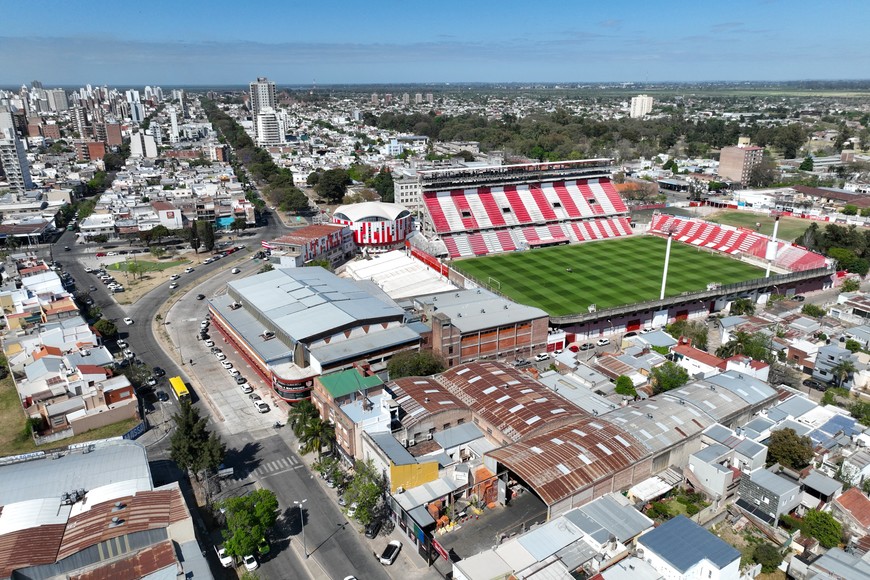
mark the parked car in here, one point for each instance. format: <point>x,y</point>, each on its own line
<point>250,562</point>
<point>587,346</point>
<point>390,553</point>
<point>162,396</point>
<point>203,324</point>
<point>254,397</point>
<point>234,372</point>
<point>372,529</point>
<point>225,559</point>
<point>603,341</point>
<point>542,356</point>
<point>220,356</point>
<point>246,388</point>
<point>261,407</point>
<point>815,385</point>
<point>240,380</point>
<point>200,296</point>
<point>121,343</point>
<point>209,343</point>
<point>798,297</point>
<point>129,353</point>
<point>629,334</point>
<point>158,372</point>
<point>128,321</point>
<point>226,364</point>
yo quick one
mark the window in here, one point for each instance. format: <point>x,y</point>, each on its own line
<point>557,204</point>
<point>460,421</point>
<point>505,210</point>
<point>591,200</point>
<point>465,214</point>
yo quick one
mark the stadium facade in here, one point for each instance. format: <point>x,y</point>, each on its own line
<point>376,225</point>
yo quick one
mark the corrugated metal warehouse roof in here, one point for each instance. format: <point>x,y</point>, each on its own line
<point>420,397</point>
<point>566,458</point>
<point>683,543</point>
<point>660,424</point>
<point>508,398</point>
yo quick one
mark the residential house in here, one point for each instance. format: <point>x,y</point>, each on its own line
<point>767,495</point>
<point>680,549</point>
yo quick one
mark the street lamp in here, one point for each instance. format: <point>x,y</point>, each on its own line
<point>302,523</point>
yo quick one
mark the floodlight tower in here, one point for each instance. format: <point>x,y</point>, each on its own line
<point>667,260</point>
<point>772,247</point>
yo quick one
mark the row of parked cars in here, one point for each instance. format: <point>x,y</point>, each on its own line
<point>259,405</point>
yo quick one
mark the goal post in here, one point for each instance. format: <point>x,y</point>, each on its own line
<point>493,283</point>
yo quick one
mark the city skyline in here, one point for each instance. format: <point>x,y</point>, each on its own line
<point>390,42</point>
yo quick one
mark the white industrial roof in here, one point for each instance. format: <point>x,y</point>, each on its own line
<point>399,275</point>
<point>370,209</point>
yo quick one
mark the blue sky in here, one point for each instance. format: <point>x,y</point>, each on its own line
<point>190,42</point>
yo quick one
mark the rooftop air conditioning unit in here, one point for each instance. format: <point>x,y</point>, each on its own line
<point>429,437</point>
<point>411,442</point>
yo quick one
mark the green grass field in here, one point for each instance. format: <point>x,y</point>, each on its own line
<point>148,265</point>
<point>789,228</point>
<point>606,274</point>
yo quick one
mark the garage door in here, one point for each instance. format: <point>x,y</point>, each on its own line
<point>632,325</point>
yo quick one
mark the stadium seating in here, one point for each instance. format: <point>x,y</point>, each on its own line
<point>731,240</point>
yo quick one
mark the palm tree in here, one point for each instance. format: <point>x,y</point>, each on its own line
<point>317,435</point>
<point>300,415</point>
<point>736,345</point>
<point>843,370</point>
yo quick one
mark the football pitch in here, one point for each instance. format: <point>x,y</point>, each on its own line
<point>567,279</point>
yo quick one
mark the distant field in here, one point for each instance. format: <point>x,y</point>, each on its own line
<point>789,228</point>
<point>148,266</point>
<point>609,273</point>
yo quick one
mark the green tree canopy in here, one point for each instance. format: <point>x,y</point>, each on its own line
<point>625,387</point>
<point>300,415</point>
<point>742,306</point>
<point>332,185</point>
<point>806,164</point>
<point>789,449</point>
<point>382,182</point>
<point>205,232</point>
<point>316,435</point>
<point>106,328</point>
<point>192,446</point>
<point>768,556</point>
<point>238,224</point>
<point>415,364</point>
<point>695,330</point>
<point>667,377</point>
<point>367,489</point>
<point>823,527</point>
<point>249,519</point>
<point>850,285</point>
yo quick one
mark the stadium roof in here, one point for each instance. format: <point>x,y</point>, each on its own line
<point>479,309</point>
<point>569,457</point>
<point>659,424</point>
<point>683,544</point>
<point>507,398</point>
<point>398,275</point>
<point>369,211</point>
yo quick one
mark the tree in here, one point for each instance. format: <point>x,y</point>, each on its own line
<point>696,331</point>
<point>813,310</point>
<point>848,260</point>
<point>367,489</point>
<point>249,519</point>
<point>742,306</point>
<point>135,269</point>
<point>106,328</point>
<point>205,231</point>
<point>415,364</point>
<point>850,285</point>
<point>317,434</point>
<point>852,345</point>
<point>238,224</point>
<point>789,449</point>
<point>300,415</point>
<point>768,556</point>
<point>806,164</point>
<point>193,237</point>
<point>267,267</point>
<point>667,377</point>
<point>843,370</point>
<point>157,251</point>
<point>159,232</point>
<point>192,446</point>
<point>790,138</point>
<point>764,173</point>
<point>382,182</point>
<point>332,185</point>
<point>823,527</point>
<point>625,387</point>
<point>850,209</point>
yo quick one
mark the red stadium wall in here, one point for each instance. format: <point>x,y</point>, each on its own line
<point>381,233</point>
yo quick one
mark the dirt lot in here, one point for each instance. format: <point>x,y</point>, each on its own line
<point>137,286</point>
<point>745,537</point>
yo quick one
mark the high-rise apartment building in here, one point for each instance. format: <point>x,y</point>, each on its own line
<point>406,99</point>
<point>57,100</point>
<point>262,97</point>
<point>173,125</point>
<point>737,163</point>
<point>14,161</point>
<point>641,105</point>
<point>80,120</point>
<point>374,98</point>
<point>429,98</point>
<point>418,99</point>
<point>269,127</point>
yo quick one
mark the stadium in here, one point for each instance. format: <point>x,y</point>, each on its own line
<point>500,227</point>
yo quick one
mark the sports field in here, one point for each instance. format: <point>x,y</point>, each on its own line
<point>790,228</point>
<point>609,273</point>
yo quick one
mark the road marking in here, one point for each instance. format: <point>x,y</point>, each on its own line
<point>281,465</point>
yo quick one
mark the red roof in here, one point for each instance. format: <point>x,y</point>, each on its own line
<point>162,206</point>
<point>92,370</point>
<point>308,233</point>
<point>148,561</point>
<point>29,547</point>
<point>47,351</point>
<point>857,505</point>
<point>702,357</point>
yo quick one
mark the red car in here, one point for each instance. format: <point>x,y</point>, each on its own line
<point>100,254</point>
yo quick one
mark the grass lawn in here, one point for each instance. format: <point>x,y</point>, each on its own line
<point>148,265</point>
<point>14,441</point>
<point>610,273</point>
<point>789,228</point>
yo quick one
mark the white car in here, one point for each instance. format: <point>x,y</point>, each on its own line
<point>235,270</point>
<point>129,353</point>
<point>209,343</point>
<point>603,341</point>
<point>173,286</point>
<point>542,356</point>
<point>234,372</point>
<point>246,388</point>
<point>174,277</point>
<point>226,364</point>
<point>646,330</point>
<point>128,321</point>
<point>121,343</point>
<point>188,270</point>
<point>220,356</point>
<point>261,407</point>
<point>203,324</point>
<point>251,563</point>
<point>226,559</point>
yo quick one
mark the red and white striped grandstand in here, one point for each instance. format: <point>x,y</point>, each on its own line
<point>734,240</point>
<point>504,208</point>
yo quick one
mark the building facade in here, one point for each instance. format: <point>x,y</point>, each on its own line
<point>737,163</point>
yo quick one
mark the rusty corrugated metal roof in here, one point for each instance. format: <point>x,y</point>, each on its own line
<point>147,510</point>
<point>29,547</point>
<point>420,397</point>
<point>147,561</point>
<point>507,398</point>
<point>569,457</point>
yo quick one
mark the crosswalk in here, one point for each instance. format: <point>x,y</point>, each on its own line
<point>275,467</point>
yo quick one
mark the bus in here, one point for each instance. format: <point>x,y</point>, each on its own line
<point>179,389</point>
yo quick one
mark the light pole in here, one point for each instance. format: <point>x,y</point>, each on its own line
<point>302,523</point>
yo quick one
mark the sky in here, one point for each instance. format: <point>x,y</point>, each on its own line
<point>193,42</point>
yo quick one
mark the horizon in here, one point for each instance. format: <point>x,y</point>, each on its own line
<point>389,42</point>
